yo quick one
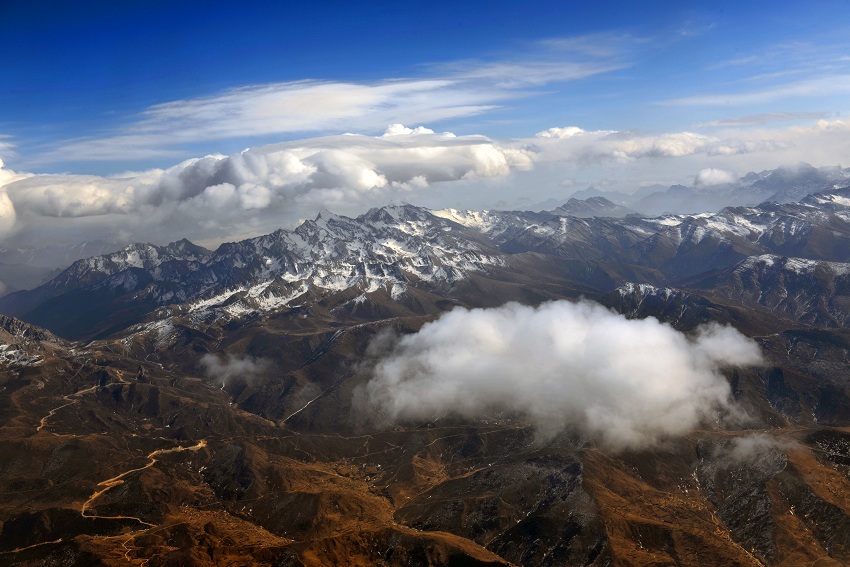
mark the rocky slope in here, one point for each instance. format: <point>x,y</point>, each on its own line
<point>271,467</point>
<point>592,207</point>
<point>222,401</point>
<point>809,291</point>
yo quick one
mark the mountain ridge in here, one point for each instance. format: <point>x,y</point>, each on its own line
<point>221,394</point>
<point>398,247</point>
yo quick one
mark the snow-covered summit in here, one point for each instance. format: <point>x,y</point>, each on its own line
<point>395,248</point>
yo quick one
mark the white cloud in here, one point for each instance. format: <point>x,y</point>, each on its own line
<point>229,368</point>
<point>253,192</point>
<point>256,190</point>
<point>666,145</point>
<point>818,86</point>
<point>631,158</point>
<point>767,118</point>
<point>753,448</point>
<point>574,144</point>
<point>7,147</point>
<point>7,215</point>
<point>626,383</point>
<point>401,130</point>
<point>566,132</point>
<point>711,176</point>
<point>8,176</point>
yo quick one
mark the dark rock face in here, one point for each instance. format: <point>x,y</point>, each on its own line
<point>736,483</point>
<point>783,398</point>
<point>809,291</point>
<point>592,207</point>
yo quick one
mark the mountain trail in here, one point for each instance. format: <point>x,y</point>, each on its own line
<point>118,480</point>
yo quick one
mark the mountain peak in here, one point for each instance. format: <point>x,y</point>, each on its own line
<point>596,206</point>
<point>23,330</point>
<point>395,212</point>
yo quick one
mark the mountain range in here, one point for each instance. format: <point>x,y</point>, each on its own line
<point>781,185</point>
<point>395,254</point>
<point>221,395</point>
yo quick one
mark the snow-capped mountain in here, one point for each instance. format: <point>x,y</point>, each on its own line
<point>811,291</point>
<point>396,250</point>
<point>388,248</point>
<point>22,344</point>
<point>248,361</point>
<point>139,256</point>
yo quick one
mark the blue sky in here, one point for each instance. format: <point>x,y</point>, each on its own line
<point>91,70</point>
<point>541,99</point>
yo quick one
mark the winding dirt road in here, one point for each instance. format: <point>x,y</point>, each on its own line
<point>119,480</point>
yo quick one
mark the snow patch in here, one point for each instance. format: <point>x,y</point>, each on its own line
<point>11,356</point>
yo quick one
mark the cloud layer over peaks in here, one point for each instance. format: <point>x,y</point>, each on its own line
<point>625,383</point>
<point>258,189</point>
<point>573,143</point>
<point>217,197</point>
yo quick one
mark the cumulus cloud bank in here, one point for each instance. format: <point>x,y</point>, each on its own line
<point>251,191</point>
<point>574,144</point>
<point>625,383</point>
<point>218,197</point>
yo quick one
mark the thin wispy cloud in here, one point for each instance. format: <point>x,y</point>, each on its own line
<point>281,109</point>
<point>7,146</point>
<point>789,70</point>
<point>767,118</point>
<point>695,29</point>
<point>509,75</point>
<point>788,55</point>
<point>553,60</point>
<point>452,90</point>
<point>600,45</point>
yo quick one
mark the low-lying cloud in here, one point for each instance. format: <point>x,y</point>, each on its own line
<point>753,448</point>
<point>712,176</point>
<point>625,383</point>
<point>230,368</point>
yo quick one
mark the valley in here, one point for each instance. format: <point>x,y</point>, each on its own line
<point>196,407</point>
